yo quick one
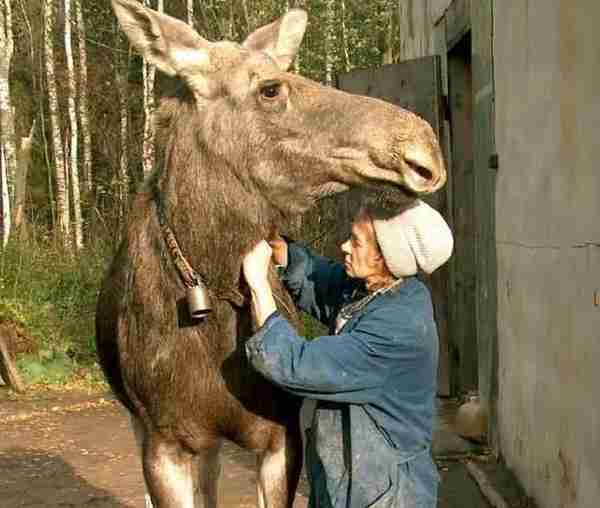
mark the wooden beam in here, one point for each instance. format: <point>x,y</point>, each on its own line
<point>487,489</point>
<point>8,370</point>
<point>485,208</point>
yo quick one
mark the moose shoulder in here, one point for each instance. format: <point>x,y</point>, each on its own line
<point>245,143</point>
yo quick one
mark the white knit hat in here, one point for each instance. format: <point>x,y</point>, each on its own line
<point>416,238</point>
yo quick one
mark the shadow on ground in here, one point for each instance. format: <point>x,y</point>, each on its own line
<point>38,479</point>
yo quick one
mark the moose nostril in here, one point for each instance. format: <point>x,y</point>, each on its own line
<point>422,171</point>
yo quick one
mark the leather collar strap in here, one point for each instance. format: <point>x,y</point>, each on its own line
<point>189,277</point>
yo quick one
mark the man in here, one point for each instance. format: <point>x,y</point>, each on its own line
<point>374,377</point>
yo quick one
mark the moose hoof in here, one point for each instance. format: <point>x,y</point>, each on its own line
<point>147,501</point>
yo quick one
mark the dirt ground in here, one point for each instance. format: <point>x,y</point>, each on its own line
<point>77,450</point>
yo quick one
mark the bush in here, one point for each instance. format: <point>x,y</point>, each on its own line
<point>312,328</point>
<point>53,295</point>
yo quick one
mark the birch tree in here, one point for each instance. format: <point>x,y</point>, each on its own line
<point>24,161</point>
<point>149,75</point>
<point>329,40</point>
<point>62,219</point>
<point>74,130</point>
<point>7,118</point>
<point>84,118</point>
<point>121,72</point>
<point>344,36</point>
<point>67,158</point>
<point>190,12</point>
<point>5,198</point>
<point>246,12</point>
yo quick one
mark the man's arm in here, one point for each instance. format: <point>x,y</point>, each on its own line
<point>349,367</point>
<point>318,285</point>
<point>256,268</point>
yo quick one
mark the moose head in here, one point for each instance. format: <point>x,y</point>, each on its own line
<point>293,140</point>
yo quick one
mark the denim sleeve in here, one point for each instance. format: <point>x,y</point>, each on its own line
<point>349,367</point>
<point>318,285</point>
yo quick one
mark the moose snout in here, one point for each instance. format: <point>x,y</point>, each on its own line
<point>424,169</point>
<point>400,146</point>
<point>414,163</point>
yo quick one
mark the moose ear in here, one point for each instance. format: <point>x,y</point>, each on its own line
<point>173,46</point>
<point>280,39</point>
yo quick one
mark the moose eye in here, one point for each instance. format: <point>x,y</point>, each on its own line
<point>271,90</point>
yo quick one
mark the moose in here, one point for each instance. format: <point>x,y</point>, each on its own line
<point>246,145</point>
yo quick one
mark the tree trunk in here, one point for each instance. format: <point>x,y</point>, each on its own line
<point>7,117</point>
<point>345,37</point>
<point>249,25</point>
<point>59,160</point>
<point>67,152</point>
<point>5,198</point>
<point>190,12</point>
<point>388,40</point>
<point>231,30</point>
<point>121,73</point>
<point>74,131</point>
<point>21,180</point>
<point>8,370</point>
<point>83,101</point>
<point>149,73</point>
<point>329,41</point>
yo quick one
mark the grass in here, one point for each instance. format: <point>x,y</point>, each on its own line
<point>52,295</point>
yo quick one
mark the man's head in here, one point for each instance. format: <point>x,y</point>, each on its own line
<point>383,248</point>
<point>363,258</point>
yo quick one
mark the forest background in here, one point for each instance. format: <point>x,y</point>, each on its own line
<point>76,140</point>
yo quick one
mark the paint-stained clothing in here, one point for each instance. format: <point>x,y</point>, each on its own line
<point>375,382</point>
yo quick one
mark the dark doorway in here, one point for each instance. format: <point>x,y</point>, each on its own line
<point>463,337</point>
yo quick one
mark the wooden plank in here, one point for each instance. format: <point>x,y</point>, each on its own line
<point>414,85</point>
<point>463,341</point>
<point>484,195</point>
<point>445,371</point>
<point>458,21</point>
<point>487,488</point>
<point>416,29</point>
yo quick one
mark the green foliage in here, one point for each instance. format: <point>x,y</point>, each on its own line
<point>311,327</point>
<point>48,367</point>
<point>53,296</point>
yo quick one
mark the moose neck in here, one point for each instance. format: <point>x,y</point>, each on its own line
<point>214,216</point>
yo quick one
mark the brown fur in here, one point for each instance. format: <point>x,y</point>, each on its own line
<point>191,384</point>
<point>235,164</point>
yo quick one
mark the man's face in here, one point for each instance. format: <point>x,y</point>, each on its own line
<point>363,258</point>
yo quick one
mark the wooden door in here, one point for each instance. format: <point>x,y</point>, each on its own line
<point>414,85</point>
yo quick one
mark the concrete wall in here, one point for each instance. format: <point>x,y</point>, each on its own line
<point>547,115</point>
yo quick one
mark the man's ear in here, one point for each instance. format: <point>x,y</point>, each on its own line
<point>172,45</point>
<point>281,39</point>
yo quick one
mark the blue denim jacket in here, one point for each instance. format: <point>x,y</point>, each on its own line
<point>375,383</point>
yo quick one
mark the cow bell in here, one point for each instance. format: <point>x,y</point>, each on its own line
<point>198,300</point>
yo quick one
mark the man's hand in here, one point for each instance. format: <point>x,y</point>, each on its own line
<point>256,269</point>
<point>280,250</point>
<point>256,265</point>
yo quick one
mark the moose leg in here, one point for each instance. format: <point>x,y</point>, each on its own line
<point>207,469</point>
<point>138,433</point>
<point>168,470</point>
<point>278,472</point>
<point>169,473</point>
